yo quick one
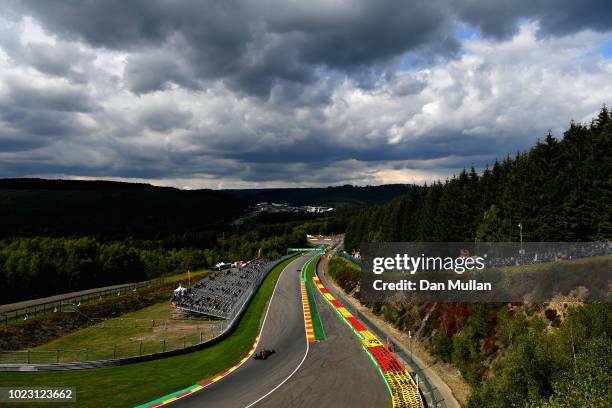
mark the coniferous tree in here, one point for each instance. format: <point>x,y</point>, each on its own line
<point>561,190</point>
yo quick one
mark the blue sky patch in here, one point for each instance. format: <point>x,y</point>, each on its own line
<point>606,49</point>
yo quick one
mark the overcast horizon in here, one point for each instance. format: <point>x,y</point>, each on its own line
<point>242,94</point>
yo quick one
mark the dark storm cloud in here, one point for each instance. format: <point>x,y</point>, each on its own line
<point>165,118</point>
<point>556,17</point>
<point>16,142</point>
<point>63,99</point>
<point>43,112</point>
<point>254,45</point>
<point>251,45</point>
<point>30,117</point>
<point>155,71</point>
<point>310,173</point>
<point>287,91</point>
<point>323,149</point>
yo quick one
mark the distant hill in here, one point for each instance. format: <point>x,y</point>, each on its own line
<point>339,197</point>
<point>116,210</point>
<point>106,208</point>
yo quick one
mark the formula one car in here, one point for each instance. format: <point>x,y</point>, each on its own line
<point>263,354</point>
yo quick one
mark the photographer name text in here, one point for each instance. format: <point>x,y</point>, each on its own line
<point>425,285</point>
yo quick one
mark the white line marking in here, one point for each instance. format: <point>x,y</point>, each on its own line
<point>270,302</point>
<point>293,372</point>
<point>267,310</point>
<point>257,343</point>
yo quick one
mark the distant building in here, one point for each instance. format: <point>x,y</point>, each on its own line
<point>264,207</point>
<point>222,265</point>
<point>312,209</point>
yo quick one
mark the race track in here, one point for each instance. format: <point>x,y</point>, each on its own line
<point>283,331</point>
<point>336,373</point>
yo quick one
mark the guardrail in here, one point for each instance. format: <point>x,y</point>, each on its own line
<point>229,328</point>
<point>57,305</point>
<point>435,399</point>
<point>176,334</point>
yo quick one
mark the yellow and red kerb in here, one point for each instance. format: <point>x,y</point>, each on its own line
<point>404,392</point>
<point>307,319</point>
<point>205,383</point>
<point>353,321</point>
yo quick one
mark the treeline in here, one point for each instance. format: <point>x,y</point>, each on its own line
<point>346,196</point>
<point>560,190</point>
<point>528,355</point>
<point>41,266</point>
<point>566,367</point>
<point>513,355</point>
<point>60,236</point>
<point>110,210</point>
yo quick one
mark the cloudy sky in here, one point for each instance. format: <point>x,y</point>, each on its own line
<point>264,93</point>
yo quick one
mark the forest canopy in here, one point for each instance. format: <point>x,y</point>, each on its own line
<point>560,190</point>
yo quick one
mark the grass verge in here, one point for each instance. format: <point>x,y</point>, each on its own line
<point>153,327</point>
<point>138,383</point>
<point>46,327</point>
<point>309,273</point>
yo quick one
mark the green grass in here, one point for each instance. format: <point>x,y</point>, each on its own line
<point>138,383</point>
<point>121,337</point>
<point>317,324</point>
<point>182,277</point>
<point>45,327</point>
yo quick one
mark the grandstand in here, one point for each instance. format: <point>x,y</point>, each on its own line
<point>222,293</point>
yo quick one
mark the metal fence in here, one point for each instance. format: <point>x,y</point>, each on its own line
<point>63,304</point>
<point>138,350</point>
<point>435,400</point>
<point>431,393</point>
<point>177,335</point>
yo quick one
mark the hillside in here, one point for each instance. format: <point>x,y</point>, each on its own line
<point>346,196</point>
<point>536,354</point>
<point>109,209</point>
<point>560,190</point>
<point>511,354</point>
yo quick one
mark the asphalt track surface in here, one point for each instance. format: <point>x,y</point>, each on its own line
<point>337,372</point>
<point>283,331</point>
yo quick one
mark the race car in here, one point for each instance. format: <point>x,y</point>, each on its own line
<point>263,354</point>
